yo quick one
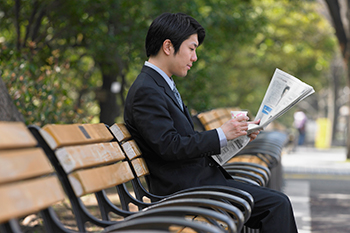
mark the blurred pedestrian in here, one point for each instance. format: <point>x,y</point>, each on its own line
<point>300,120</point>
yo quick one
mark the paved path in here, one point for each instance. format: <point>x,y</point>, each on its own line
<point>307,160</point>
<point>299,194</point>
<point>318,184</point>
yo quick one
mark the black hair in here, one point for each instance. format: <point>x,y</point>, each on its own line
<point>176,27</point>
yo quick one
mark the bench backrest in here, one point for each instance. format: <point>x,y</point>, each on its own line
<point>28,182</point>
<point>222,115</point>
<point>130,148</point>
<point>87,155</point>
<point>208,120</point>
<point>25,172</point>
<point>138,164</point>
<point>87,161</point>
<point>215,118</point>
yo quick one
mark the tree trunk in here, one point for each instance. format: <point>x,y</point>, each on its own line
<point>344,42</point>
<point>8,111</point>
<point>348,104</point>
<point>336,73</point>
<point>347,62</point>
<point>108,101</point>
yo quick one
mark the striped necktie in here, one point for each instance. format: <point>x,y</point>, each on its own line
<point>178,97</point>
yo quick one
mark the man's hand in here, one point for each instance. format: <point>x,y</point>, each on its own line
<point>237,127</point>
<point>255,133</point>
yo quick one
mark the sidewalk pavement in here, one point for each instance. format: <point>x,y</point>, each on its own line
<point>310,162</point>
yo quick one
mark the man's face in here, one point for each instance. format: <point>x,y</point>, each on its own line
<point>182,61</point>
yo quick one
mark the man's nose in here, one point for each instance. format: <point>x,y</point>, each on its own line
<point>194,57</point>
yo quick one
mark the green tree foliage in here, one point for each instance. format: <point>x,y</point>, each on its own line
<point>229,26</point>
<point>292,37</point>
<point>60,58</point>
<point>44,94</point>
<point>298,40</point>
<point>44,73</point>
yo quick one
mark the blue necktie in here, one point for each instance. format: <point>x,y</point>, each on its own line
<point>178,97</point>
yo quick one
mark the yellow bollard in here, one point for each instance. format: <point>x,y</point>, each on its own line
<point>323,133</point>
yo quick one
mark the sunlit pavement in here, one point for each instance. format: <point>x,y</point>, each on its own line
<point>318,184</point>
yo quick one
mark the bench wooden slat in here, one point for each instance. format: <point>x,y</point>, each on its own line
<point>206,118</point>
<point>215,118</point>
<point>23,163</point>
<point>76,157</point>
<point>15,135</point>
<point>131,149</point>
<point>67,135</point>
<point>140,167</point>
<point>209,120</point>
<point>22,198</point>
<point>214,125</point>
<point>99,178</point>
<point>120,132</point>
<point>221,115</point>
<point>248,159</point>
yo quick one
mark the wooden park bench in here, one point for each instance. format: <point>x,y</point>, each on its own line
<point>89,161</point>
<point>28,184</point>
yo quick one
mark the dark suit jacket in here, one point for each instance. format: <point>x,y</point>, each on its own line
<point>177,156</point>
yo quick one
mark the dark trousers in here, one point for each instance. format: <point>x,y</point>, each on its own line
<point>272,212</point>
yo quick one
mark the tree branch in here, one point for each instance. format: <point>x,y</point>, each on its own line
<point>17,9</point>
<point>30,22</point>
<point>38,23</point>
<point>334,10</point>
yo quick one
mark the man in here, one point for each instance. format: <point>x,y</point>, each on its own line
<point>177,156</point>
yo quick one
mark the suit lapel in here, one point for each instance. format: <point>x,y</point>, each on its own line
<point>162,83</point>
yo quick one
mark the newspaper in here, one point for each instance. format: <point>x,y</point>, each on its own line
<point>283,92</point>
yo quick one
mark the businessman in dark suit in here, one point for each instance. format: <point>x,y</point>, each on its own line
<point>177,156</point>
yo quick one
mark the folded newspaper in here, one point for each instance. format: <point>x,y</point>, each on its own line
<point>283,92</point>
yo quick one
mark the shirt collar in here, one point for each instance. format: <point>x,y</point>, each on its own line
<point>169,80</point>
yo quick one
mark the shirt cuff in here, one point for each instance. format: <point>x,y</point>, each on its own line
<point>222,137</point>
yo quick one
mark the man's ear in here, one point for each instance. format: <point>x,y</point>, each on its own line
<point>167,47</point>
